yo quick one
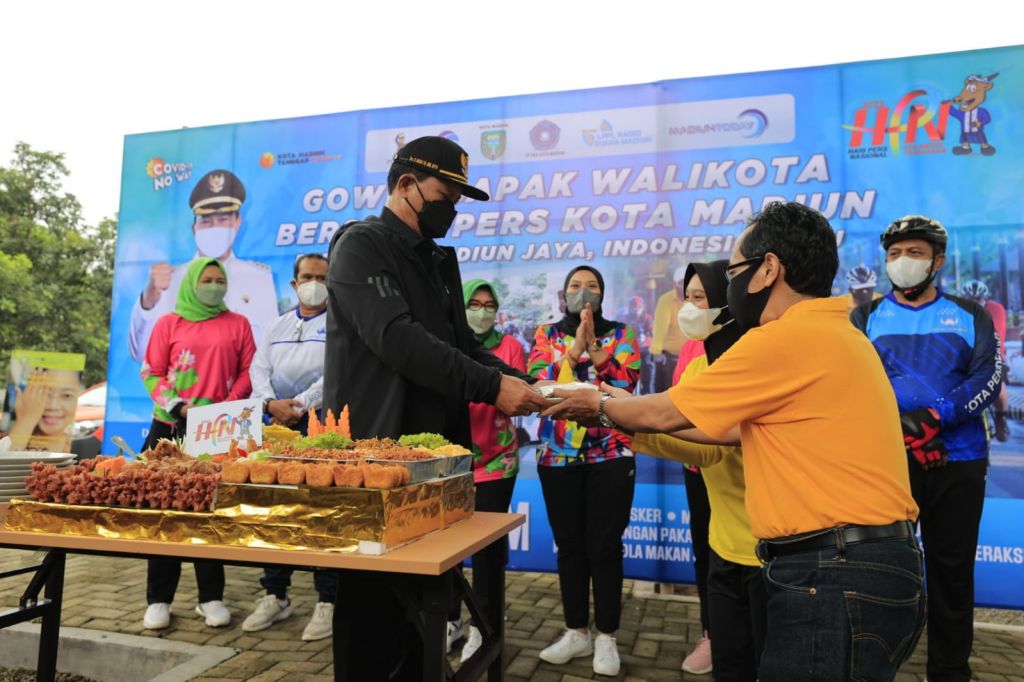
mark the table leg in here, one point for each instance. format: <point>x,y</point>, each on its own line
<point>437,597</point>
<point>495,612</point>
<point>49,630</point>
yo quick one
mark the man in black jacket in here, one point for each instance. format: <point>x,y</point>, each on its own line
<point>399,351</point>
<point>401,355</point>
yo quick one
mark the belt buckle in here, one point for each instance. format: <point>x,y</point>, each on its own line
<point>761,552</point>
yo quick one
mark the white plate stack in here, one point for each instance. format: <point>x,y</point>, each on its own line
<point>16,466</point>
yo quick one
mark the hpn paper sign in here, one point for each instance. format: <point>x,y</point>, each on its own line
<point>213,428</point>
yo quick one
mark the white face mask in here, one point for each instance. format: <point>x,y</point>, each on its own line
<point>696,323</point>
<point>312,294</point>
<point>215,242</point>
<point>906,272</point>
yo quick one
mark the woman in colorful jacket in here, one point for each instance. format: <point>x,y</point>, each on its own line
<point>197,355</point>
<point>495,446</point>
<point>587,475</point>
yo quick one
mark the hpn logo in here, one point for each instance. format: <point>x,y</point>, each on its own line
<point>915,125</point>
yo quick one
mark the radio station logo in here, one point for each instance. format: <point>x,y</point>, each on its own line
<point>165,174</point>
<point>493,143</point>
<point>605,135</point>
<point>749,123</point>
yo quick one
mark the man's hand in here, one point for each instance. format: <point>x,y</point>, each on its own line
<point>921,425</point>
<point>581,406</point>
<point>615,391</point>
<point>930,455</point>
<point>517,398</point>
<point>283,411</point>
<point>159,281</point>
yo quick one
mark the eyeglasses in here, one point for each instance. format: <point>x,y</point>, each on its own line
<point>490,306</point>
<point>730,273</point>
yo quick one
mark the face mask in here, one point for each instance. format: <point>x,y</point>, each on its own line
<point>696,323</point>
<point>312,294</point>
<point>906,272</point>
<point>215,242</point>
<point>575,301</point>
<point>746,308</point>
<point>480,321</point>
<point>436,217</point>
<point>211,294</point>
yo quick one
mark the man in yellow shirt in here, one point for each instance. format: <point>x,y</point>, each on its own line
<point>667,338</point>
<point>828,491</point>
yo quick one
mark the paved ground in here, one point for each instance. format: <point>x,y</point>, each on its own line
<point>109,594</point>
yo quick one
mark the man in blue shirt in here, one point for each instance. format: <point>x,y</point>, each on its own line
<point>941,354</point>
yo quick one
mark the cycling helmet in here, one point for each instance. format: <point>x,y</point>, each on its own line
<point>974,288</point>
<point>915,227</point>
<point>861,277</point>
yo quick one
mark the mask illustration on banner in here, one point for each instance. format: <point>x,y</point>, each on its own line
<point>696,323</point>
<point>906,272</point>
<point>481,321</point>
<point>747,307</point>
<point>436,217</point>
<point>312,294</point>
<point>575,301</point>
<point>215,242</point>
<point>211,294</point>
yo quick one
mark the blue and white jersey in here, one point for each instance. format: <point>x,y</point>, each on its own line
<point>944,355</point>
<point>289,360</point>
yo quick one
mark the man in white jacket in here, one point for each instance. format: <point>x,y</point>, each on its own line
<point>288,375</point>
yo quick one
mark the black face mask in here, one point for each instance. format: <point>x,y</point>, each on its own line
<point>746,308</point>
<point>436,217</point>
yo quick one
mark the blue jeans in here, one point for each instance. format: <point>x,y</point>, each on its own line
<point>852,615</point>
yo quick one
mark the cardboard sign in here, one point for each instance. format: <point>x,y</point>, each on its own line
<point>212,429</point>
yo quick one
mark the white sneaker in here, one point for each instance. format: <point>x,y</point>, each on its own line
<point>321,624</point>
<point>473,643</point>
<point>216,614</point>
<point>269,610</point>
<point>158,616</point>
<point>571,645</point>
<point>606,655</point>
<point>455,633</point>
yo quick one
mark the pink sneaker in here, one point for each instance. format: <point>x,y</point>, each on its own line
<point>699,660</point>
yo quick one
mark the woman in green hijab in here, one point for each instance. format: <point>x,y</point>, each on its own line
<point>495,446</point>
<point>197,355</point>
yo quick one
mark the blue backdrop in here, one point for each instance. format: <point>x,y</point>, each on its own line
<point>637,180</point>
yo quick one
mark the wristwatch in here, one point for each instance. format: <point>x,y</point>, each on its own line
<point>266,406</point>
<point>596,346</point>
<point>602,416</point>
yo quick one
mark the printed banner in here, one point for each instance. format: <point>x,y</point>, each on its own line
<point>38,407</point>
<point>216,429</point>
<point>638,181</point>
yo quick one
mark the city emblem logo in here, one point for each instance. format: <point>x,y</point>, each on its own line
<point>492,144</point>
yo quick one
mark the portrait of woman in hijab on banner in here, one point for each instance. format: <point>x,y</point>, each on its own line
<point>41,398</point>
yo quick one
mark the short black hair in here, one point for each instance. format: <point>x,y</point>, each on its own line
<point>400,169</point>
<point>802,239</point>
<point>298,262</point>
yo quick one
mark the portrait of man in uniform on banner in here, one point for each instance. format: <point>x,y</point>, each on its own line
<point>216,203</point>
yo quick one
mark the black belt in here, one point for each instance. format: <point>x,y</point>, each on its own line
<point>830,538</point>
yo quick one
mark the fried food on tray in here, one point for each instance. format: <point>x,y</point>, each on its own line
<point>319,475</point>
<point>291,473</point>
<point>382,476</point>
<point>279,433</point>
<point>263,472</point>
<point>452,450</point>
<point>235,472</point>
<point>347,475</point>
<point>400,454</point>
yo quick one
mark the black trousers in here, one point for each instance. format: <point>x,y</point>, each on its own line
<point>700,531</point>
<point>493,496</point>
<point>162,575</point>
<point>737,606</point>
<point>951,500</point>
<point>588,508</point>
<point>663,372</point>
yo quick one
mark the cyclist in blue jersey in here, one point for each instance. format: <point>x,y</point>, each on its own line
<point>942,355</point>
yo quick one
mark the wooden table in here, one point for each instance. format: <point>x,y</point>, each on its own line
<point>421,574</point>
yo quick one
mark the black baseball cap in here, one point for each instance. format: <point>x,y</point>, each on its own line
<point>442,158</point>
